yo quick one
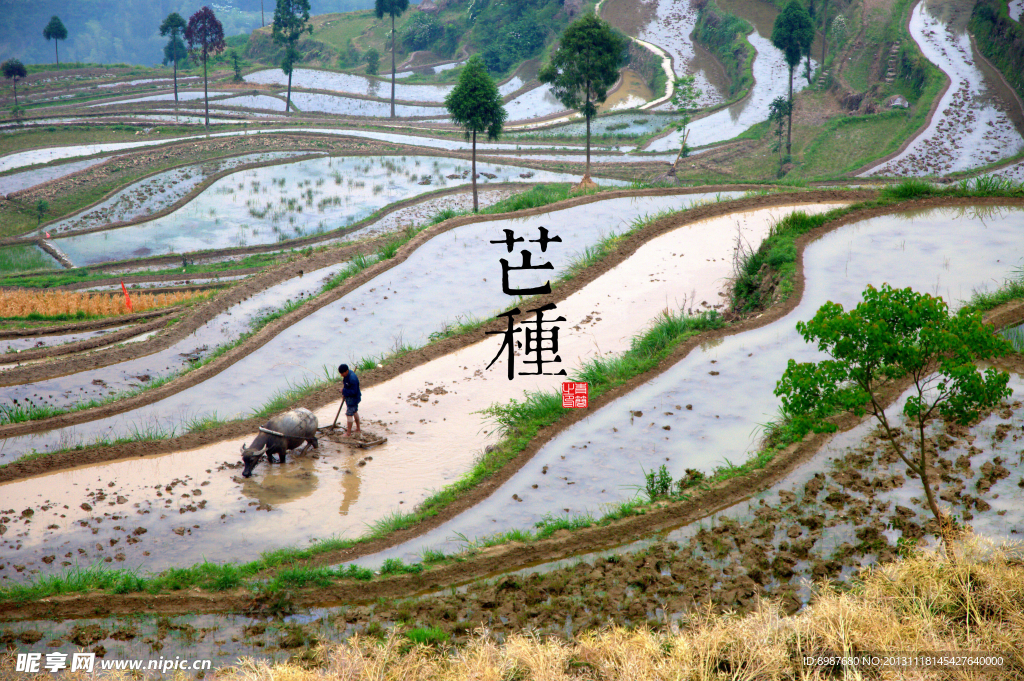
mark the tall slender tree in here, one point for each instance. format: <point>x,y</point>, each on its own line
<point>13,70</point>
<point>291,20</point>
<point>584,66</point>
<point>204,36</point>
<point>174,51</point>
<point>55,29</point>
<point>395,9</point>
<point>475,104</point>
<point>792,33</point>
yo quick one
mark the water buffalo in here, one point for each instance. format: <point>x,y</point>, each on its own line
<point>279,434</point>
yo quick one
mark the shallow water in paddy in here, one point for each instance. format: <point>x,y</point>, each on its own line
<point>399,306</point>
<point>159,191</point>
<point>671,30</point>
<point>347,82</point>
<point>183,96</point>
<point>9,345</point>
<point>256,102</point>
<point>34,156</point>
<point>271,204</point>
<point>30,178</point>
<point>971,127</point>
<point>771,80</point>
<point>533,104</point>
<point>353,106</point>
<point>945,252</point>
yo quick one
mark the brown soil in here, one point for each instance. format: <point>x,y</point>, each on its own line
<point>660,518</point>
<point>629,16</point>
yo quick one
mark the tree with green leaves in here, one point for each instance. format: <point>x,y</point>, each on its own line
<point>204,36</point>
<point>475,105</point>
<point>372,58</point>
<point>778,112</point>
<point>55,30</point>
<point>13,70</point>
<point>174,51</point>
<point>41,207</point>
<point>684,96</point>
<point>792,33</point>
<point>395,9</point>
<point>896,334</point>
<point>584,66</point>
<point>291,20</point>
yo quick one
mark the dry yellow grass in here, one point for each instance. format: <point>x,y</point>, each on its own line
<point>55,303</point>
<point>926,603</point>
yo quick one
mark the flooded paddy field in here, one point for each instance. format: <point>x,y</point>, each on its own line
<point>183,96</point>
<point>972,126</point>
<point>954,253</point>
<point>396,308</point>
<point>276,203</point>
<point>629,123</point>
<point>347,82</point>
<point>535,103</point>
<point>13,345</point>
<point>423,412</point>
<point>353,106</point>
<point>670,29</point>
<point>15,182</point>
<point>158,192</point>
<point>770,81</point>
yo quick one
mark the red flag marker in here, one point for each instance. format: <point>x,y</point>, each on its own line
<point>127,298</point>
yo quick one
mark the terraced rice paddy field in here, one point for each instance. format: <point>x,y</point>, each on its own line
<point>181,286</point>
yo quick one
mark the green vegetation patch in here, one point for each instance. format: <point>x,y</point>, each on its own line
<point>25,258</point>
<point>1000,39</point>
<point>725,35</point>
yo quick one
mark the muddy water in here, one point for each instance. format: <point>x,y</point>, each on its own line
<point>971,126</point>
<point>632,93</point>
<point>728,386</point>
<point>398,308</point>
<point>1016,9</point>
<point>103,382</point>
<point>272,204</point>
<point>428,416</point>
<point>670,29</point>
<point>771,80</point>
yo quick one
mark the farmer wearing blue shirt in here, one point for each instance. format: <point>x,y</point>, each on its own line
<point>350,391</point>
